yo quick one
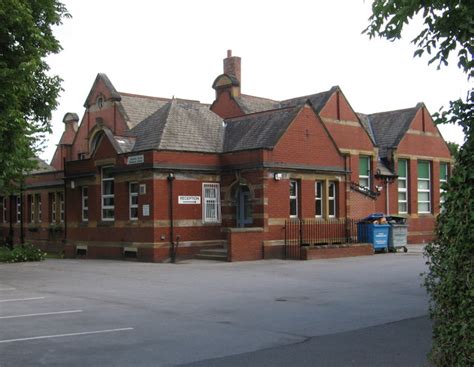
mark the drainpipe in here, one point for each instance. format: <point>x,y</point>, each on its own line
<point>171,178</point>
<point>387,196</point>
<point>65,201</point>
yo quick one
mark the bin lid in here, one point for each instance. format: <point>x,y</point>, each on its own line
<point>373,216</point>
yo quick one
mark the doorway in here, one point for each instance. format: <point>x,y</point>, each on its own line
<point>243,206</point>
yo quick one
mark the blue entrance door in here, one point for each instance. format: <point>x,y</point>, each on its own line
<point>244,207</point>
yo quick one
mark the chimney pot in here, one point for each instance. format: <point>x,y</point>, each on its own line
<point>229,53</point>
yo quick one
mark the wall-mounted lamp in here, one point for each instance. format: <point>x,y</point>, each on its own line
<point>73,185</point>
<point>278,176</point>
<point>378,188</point>
<point>171,176</point>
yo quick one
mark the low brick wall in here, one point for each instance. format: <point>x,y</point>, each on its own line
<point>244,244</point>
<point>336,251</point>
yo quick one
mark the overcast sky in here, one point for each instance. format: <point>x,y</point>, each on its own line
<point>288,49</point>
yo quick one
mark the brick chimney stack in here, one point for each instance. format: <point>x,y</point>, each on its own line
<point>70,121</point>
<point>232,66</point>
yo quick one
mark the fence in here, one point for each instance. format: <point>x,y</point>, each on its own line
<point>316,232</point>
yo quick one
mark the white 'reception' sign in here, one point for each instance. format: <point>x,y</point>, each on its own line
<point>135,159</point>
<point>189,199</point>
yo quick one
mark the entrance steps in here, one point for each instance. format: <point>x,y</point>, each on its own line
<point>218,254</point>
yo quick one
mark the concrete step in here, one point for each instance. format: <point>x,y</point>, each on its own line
<point>219,254</point>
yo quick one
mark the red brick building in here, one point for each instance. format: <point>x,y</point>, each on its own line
<point>140,175</point>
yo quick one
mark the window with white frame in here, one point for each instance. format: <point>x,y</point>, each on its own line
<point>424,187</point>
<point>18,209</point>
<point>211,203</point>
<point>443,179</point>
<point>31,208</point>
<point>61,207</point>
<point>364,171</point>
<point>85,203</point>
<point>133,189</point>
<point>332,199</point>
<point>293,199</point>
<point>319,198</point>
<point>52,203</point>
<point>39,214</point>
<point>402,186</point>
<point>108,199</point>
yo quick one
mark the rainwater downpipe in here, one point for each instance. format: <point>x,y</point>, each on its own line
<point>387,196</point>
<point>171,178</point>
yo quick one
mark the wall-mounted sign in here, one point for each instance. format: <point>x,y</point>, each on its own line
<point>135,159</point>
<point>146,210</point>
<point>188,199</point>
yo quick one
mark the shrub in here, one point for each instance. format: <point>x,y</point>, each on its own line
<point>450,281</point>
<point>21,254</point>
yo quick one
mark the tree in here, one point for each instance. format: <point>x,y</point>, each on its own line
<point>453,149</point>
<point>28,93</point>
<point>447,28</point>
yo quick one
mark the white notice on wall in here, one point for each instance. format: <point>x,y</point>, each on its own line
<point>188,199</point>
<point>146,210</point>
<point>135,159</point>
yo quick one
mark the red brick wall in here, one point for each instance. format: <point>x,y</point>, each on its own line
<point>226,106</point>
<point>245,245</point>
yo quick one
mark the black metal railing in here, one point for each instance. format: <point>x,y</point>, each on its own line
<point>364,190</point>
<point>317,232</point>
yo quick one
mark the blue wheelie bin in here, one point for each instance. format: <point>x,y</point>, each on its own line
<point>368,230</point>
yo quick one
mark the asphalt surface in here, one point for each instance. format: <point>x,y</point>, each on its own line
<point>366,311</point>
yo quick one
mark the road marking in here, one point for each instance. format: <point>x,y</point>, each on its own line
<point>65,335</point>
<point>7,289</point>
<point>40,314</point>
<point>21,299</point>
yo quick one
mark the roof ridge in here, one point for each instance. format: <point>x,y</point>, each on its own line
<point>391,111</point>
<point>144,96</point>
<point>262,112</point>
<point>308,95</point>
<point>266,99</point>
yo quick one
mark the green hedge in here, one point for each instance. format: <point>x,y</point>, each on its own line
<point>21,254</point>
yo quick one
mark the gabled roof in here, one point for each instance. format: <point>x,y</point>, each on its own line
<point>257,131</point>
<point>41,166</point>
<point>364,119</point>
<point>252,104</point>
<point>180,125</point>
<point>318,100</point>
<point>390,127</point>
<point>105,79</point>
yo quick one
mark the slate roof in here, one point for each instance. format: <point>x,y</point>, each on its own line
<point>137,108</point>
<point>180,125</point>
<point>259,130</point>
<point>252,104</point>
<point>41,166</point>
<point>364,119</point>
<point>389,127</point>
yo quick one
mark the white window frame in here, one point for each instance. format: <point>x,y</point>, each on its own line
<point>39,213</point>
<point>332,199</point>
<point>403,190</point>
<point>53,208</point>
<point>31,199</point>
<point>85,203</point>
<point>319,198</point>
<point>365,177</point>
<point>107,196</point>
<point>428,190</point>
<point>131,195</point>
<point>61,207</point>
<point>211,197</point>
<point>294,197</point>
<point>441,183</point>
<point>18,209</point>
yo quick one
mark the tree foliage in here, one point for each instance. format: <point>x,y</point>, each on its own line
<point>28,93</point>
<point>448,26</point>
